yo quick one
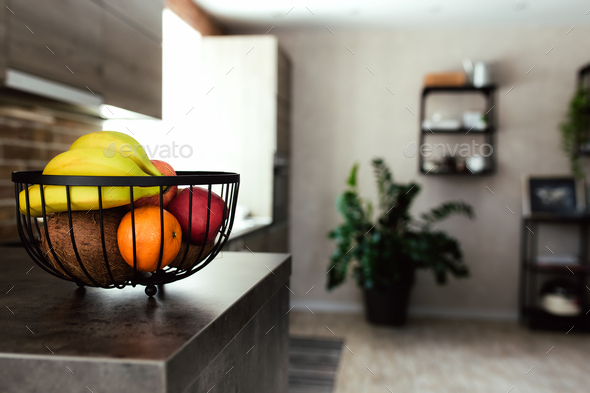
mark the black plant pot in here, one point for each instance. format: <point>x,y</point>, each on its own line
<point>387,306</point>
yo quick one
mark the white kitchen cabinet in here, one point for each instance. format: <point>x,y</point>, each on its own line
<point>244,117</point>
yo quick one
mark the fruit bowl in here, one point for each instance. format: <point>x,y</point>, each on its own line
<point>77,245</point>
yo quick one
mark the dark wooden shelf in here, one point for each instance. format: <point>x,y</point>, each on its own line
<point>485,172</point>
<point>571,218</point>
<point>457,131</point>
<point>571,269</point>
<point>537,318</point>
<point>458,89</point>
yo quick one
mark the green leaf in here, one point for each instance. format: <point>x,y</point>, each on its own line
<point>446,210</point>
<point>352,176</point>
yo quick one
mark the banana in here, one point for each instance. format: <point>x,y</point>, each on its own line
<point>82,198</point>
<point>116,143</point>
<point>92,162</point>
<point>85,162</point>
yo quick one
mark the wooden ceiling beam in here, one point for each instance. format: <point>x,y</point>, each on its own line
<point>196,17</point>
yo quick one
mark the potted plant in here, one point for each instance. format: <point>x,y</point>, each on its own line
<point>383,255</point>
<point>575,130</point>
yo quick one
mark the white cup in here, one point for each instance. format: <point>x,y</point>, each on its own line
<point>481,74</point>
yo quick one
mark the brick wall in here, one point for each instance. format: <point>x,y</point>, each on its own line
<point>29,138</point>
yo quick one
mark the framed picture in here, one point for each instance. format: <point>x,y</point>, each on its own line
<point>547,195</point>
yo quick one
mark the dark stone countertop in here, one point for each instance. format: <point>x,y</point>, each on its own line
<point>122,333</point>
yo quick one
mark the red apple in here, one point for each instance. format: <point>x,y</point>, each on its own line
<point>169,194</point>
<point>179,207</point>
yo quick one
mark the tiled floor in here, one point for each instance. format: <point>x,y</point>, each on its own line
<point>438,356</point>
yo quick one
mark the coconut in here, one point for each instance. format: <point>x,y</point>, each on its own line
<point>86,229</point>
<point>193,254</point>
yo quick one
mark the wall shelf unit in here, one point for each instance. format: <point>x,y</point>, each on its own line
<point>533,274</point>
<point>449,165</point>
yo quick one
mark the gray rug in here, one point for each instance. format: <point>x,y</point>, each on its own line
<point>313,363</point>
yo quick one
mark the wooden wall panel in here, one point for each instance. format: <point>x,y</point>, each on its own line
<point>133,72</point>
<point>145,15</point>
<point>57,39</point>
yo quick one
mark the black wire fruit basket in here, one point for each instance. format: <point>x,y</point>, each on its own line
<point>88,255</point>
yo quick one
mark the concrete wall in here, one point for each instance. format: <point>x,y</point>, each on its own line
<point>343,113</point>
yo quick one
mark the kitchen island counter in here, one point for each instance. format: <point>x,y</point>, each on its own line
<point>224,328</point>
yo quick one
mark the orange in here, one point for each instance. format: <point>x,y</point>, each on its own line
<point>148,238</point>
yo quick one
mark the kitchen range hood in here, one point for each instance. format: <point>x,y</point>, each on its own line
<point>27,89</point>
<point>23,81</point>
